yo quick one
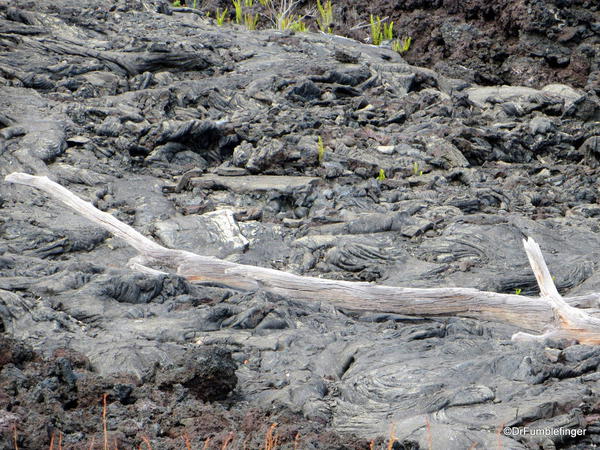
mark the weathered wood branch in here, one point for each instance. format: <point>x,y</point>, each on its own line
<point>570,322</point>
<point>548,313</point>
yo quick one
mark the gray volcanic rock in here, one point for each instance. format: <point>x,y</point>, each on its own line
<point>207,138</point>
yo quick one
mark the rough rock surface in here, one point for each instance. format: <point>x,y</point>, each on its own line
<point>152,115</point>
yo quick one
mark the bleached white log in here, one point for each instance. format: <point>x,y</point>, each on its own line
<point>549,313</point>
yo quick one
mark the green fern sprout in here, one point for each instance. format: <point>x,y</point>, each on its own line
<point>381,175</point>
<point>251,21</point>
<point>320,149</point>
<point>401,46</point>
<point>416,170</point>
<point>220,16</point>
<point>376,33</point>
<point>388,31</point>
<point>325,18</point>
<point>518,291</point>
<point>237,4</point>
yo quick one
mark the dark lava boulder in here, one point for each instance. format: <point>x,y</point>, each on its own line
<point>208,373</point>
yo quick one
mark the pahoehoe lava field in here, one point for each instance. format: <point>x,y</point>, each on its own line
<point>318,154</point>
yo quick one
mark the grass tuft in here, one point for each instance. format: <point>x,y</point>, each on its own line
<point>228,440</point>
<point>271,440</point>
<point>104,426</point>
<point>392,437</point>
<point>297,441</point>
<point>147,442</point>
<point>14,429</point>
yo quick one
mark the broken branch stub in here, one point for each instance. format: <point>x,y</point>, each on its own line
<point>570,322</point>
<point>549,313</point>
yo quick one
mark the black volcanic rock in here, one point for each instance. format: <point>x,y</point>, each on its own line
<point>310,153</point>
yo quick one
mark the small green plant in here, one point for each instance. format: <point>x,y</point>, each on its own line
<point>518,291</point>
<point>381,31</point>
<point>388,31</point>
<point>376,33</point>
<point>401,46</point>
<point>381,175</point>
<point>177,3</point>
<point>237,4</point>
<point>281,14</point>
<point>292,22</point>
<point>325,18</point>
<point>320,150</point>
<point>416,170</point>
<point>299,27</point>
<point>220,16</point>
<point>249,3</point>
<point>194,4</point>
<point>251,21</point>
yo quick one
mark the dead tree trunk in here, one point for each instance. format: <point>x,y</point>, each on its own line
<point>548,313</point>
